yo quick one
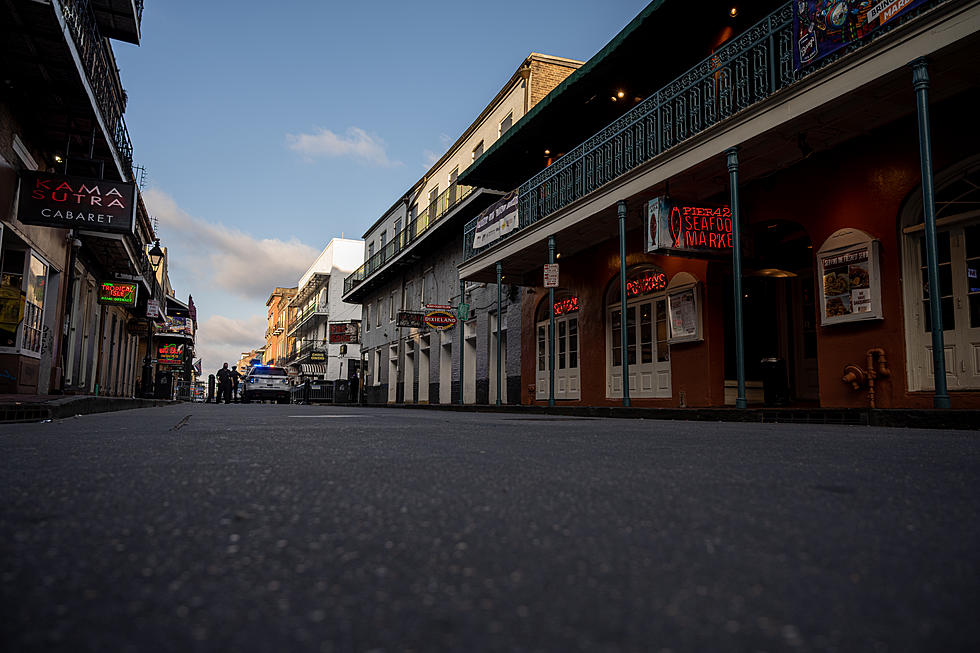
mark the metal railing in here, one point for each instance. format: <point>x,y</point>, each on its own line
<point>101,73</point>
<point>304,315</point>
<point>744,72</point>
<point>415,228</point>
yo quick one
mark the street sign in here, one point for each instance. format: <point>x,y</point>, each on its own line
<point>438,307</point>
<point>550,275</point>
<point>463,312</point>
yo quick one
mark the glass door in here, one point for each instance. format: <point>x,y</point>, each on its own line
<point>567,378</point>
<point>647,352</point>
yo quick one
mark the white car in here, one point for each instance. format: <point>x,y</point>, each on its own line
<point>266,382</point>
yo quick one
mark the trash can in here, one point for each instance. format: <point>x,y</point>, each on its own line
<point>775,386</point>
<point>341,391</point>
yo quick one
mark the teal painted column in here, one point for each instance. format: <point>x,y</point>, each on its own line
<point>551,329</point>
<point>732,153</point>
<point>920,81</point>
<point>499,320</point>
<point>462,342</point>
<point>621,210</point>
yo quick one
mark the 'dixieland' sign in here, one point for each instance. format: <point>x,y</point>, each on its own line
<point>51,200</point>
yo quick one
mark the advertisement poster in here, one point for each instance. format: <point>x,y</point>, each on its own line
<point>822,27</point>
<point>179,325</point>
<point>847,284</point>
<point>683,308</point>
<point>497,221</point>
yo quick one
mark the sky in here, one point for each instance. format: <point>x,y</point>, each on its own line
<point>266,129</point>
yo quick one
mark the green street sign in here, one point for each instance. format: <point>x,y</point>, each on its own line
<point>463,311</point>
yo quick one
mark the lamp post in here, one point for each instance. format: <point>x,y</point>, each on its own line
<point>156,259</point>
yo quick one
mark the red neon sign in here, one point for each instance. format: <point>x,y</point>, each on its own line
<point>646,283</point>
<point>566,305</point>
<point>701,227</point>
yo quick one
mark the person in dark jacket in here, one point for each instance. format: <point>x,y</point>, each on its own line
<point>224,384</point>
<point>236,376</point>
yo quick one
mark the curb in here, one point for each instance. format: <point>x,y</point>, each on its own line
<point>16,412</point>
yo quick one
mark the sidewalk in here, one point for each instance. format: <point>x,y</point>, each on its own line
<point>36,408</point>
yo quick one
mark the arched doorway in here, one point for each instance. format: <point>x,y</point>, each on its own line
<point>567,380</point>
<point>647,351</point>
<point>958,245</point>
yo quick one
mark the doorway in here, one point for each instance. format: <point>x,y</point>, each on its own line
<point>567,376</point>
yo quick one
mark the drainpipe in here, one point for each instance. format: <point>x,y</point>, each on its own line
<point>621,209</point>
<point>920,80</point>
<point>499,314</point>
<point>551,329</point>
<point>740,401</point>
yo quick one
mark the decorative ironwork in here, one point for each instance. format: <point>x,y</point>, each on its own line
<point>93,51</point>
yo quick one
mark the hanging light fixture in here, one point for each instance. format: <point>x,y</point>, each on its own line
<point>156,256</point>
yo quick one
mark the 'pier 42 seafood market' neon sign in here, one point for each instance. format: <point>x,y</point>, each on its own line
<point>674,226</point>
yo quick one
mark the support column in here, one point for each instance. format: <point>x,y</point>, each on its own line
<point>462,344</point>
<point>499,316</point>
<point>621,209</point>
<point>920,81</point>
<point>732,153</point>
<point>551,329</point>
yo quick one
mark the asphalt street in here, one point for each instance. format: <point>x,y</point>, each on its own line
<point>294,528</point>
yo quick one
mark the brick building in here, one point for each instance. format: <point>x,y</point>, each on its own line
<point>277,343</point>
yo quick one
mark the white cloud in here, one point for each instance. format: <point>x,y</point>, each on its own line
<point>222,339</point>
<point>228,258</point>
<point>355,143</point>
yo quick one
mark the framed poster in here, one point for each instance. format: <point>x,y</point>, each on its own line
<point>850,283</point>
<point>684,313</point>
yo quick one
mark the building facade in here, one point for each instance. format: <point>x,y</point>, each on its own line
<point>319,349</point>
<point>77,284</point>
<point>411,257</point>
<point>762,189</point>
<point>278,344</point>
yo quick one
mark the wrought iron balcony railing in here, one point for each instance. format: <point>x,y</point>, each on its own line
<point>305,315</point>
<point>742,73</point>
<point>415,228</point>
<point>101,73</point>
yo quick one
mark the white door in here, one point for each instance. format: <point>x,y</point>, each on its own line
<point>959,278</point>
<point>567,379</point>
<point>647,351</point>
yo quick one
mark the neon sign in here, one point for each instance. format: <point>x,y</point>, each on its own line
<point>170,354</point>
<point>566,305</point>
<point>677,226</point>
<point>115,292</point>
<point>649,281</point>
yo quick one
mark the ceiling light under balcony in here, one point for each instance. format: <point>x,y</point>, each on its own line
<point>733,12</point>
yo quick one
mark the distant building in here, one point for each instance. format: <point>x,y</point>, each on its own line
<point>277,343</point>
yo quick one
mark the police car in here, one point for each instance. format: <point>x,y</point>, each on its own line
<point>266,382</point>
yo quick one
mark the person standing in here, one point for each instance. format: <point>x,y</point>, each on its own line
<point>236,377</point>
<point>224,384</point>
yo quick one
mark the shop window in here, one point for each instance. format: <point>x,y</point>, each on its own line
<point>11,295</point>
<point>37,278</point>
<point>505,124</point>
<point>477,151</point>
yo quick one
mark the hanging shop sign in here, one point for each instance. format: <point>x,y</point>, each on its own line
<point>850,274</point>
<point>496,221</point>
<point>566,305</point>
<point>822,27</point>
<point>317,357</point>
<point>50,200</point>
<point>550,275</point>
<point>410,319</point>
<point>119,293</point>
<point>674,226</point>
<point>183,326</point>
<point>441,320</point>
<point>342,332</point>
<point>170,354</point>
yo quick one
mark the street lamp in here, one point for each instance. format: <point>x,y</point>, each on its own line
<point>156,255</point>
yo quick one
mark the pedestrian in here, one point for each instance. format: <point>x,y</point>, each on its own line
<point>352,382</point>
<point>224,384</point>
<point>236,377</point>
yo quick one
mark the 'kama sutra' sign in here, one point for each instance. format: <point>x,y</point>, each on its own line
<point>685,227</point>
<point>50,200</point>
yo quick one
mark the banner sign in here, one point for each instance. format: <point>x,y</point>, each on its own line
<point>50,200</point>
<point>117,292</point>
<point>441,320</point>
<point>170,354</point>
<point>410,319</point>
<point>180,325</point>
<point>342,332</point>
<point>497,221</point>
<point>823,27</point>
<point>683,227</point>
<point>317,357</point>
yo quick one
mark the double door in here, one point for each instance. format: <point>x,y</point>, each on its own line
<point>647,349</point>
<point>567,380</point>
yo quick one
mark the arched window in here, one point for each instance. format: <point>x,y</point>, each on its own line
<point>647,351</point>
<point>958,245</point>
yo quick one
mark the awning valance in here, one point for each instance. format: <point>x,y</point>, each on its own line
<point>313,369</point>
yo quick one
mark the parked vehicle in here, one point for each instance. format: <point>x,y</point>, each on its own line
<point>265,382</point>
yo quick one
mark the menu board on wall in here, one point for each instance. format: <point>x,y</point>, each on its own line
<point>850,288</point>
<point>684,315</point>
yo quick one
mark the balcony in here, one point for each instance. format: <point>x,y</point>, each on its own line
<point>98,65</point>
<point>739,81</point>
<point>400,241</point>
<point>119,19</point>
<point>306,316</point>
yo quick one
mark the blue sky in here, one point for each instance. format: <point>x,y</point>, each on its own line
<point>268,128</point>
